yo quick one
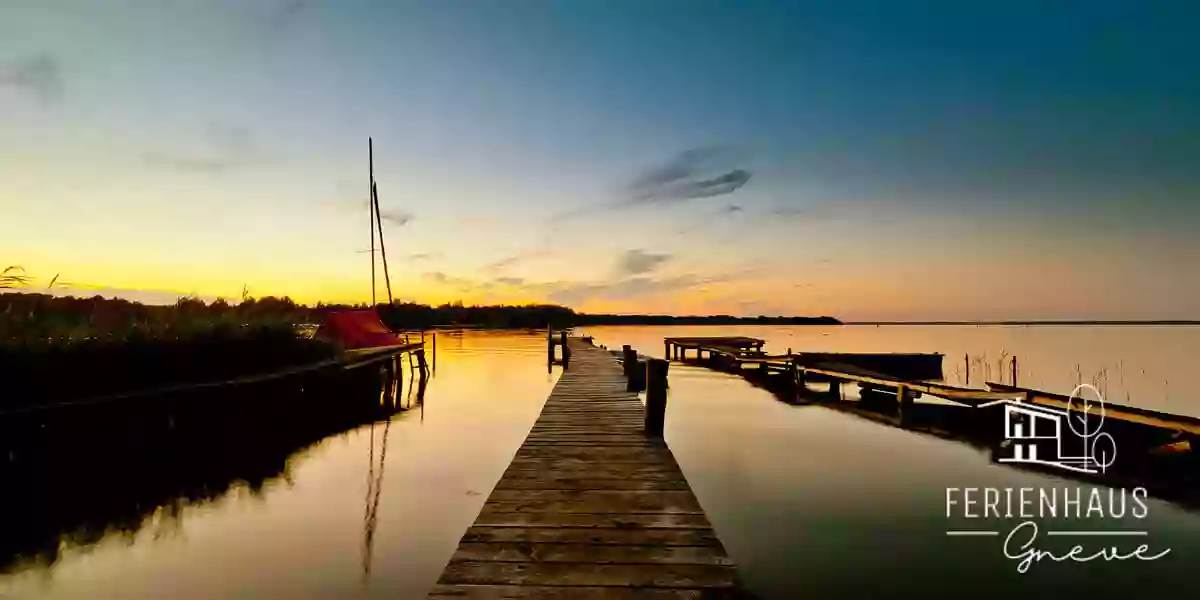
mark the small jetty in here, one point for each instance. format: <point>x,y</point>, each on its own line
<point>904,378</point>
<point>593,505</point>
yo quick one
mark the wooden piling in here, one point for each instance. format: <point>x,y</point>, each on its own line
<point>628,360</point>
<point>967,371</point>
<point>549,345</point>
<point>566,351</point>
<point>656,397</point>
<point>423,368</point>
<point>666,350</point>
<point>904,404</point>
<point>1014,371</point>
<point>835,389</point>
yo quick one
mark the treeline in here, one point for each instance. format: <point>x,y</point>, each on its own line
<point>421,316</point>
<point>585,319</point>
<point>41,316</point>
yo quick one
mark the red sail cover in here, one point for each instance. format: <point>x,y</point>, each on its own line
<point>355,329</point>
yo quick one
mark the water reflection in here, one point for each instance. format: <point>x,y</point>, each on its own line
<point>74,476</point>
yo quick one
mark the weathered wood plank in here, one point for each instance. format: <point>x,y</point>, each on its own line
<point>496,518</point>
<point>593,535</point>
<point>594,501</point>
<point>506,592</point>
<point>532,573</point>
<point>577,468</point>
<point>575,483</point>
<point>590,553</point>
<point>648,452</point>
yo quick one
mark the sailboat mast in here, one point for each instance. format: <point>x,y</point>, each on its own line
<point>382,250</point>
<point>371,211</point>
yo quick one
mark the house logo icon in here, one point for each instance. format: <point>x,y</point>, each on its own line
<point>1067,439</point>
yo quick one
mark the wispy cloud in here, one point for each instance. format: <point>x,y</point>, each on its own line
<point>222,148</point>
<point>396,216</point>
<point>39,76</point>
<point>693,174</point>
<point>510,280</point>
<point>575,293</point>
<point>637,262</point>
<point>415,256</point>
<point>180,162</point>
<point>288,11</point>
<point>523,256</point>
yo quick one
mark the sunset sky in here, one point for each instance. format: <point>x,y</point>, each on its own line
<point>867,160</point>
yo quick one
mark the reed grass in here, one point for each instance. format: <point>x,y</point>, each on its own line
<point>55,349</point>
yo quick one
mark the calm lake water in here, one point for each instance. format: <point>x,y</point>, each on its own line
<point>809,501</point>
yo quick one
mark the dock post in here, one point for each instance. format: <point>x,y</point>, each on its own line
<point>434,336</point>
<point>666,350</point>
<point>566,352</point>
<point>904,402</point>
<point>835,389</point>
<point>421,366</point>
<point>1014,370</point>
<point>967,364</point>
<point>628,360</point>
<point>656,397</point>
<point>549,345</point>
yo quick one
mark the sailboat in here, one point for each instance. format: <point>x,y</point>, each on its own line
<point>362,329</point>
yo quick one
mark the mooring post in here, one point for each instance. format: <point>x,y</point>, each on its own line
<point>566,352</point>
<point>904,402</point>
<point>835,389</point>
<point>434,340</point>
<point>967,364</point>
<point>549,345</point>
<point>421,366</point>
<point>666,350</point>
<point>628,360</point>
<point>1014,370</point>
<point>656,397</point>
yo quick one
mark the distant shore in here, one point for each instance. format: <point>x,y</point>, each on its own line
<point>1054,322</point>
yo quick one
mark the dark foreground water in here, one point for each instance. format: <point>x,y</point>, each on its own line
<point>811,502</point>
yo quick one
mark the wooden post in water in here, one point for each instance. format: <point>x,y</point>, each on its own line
<point>904,402</point>
<point>434,336</point>
<point>967,364</point>
<point>422,368</point>
<point>666,350</point>
<point>566,352</point>
<point>835,389</point>
<point>549,345</point>
<point>656,397</point>
<point>628,360</point>
<point>1014,370</point>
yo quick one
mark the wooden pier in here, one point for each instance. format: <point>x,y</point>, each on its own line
<point>591,507</point>
<point>904,376</point>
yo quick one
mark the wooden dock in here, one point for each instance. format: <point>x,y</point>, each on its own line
<point>591,508</point>
<point>836,369</point>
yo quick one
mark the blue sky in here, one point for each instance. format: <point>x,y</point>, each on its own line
<point>898,160</point>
